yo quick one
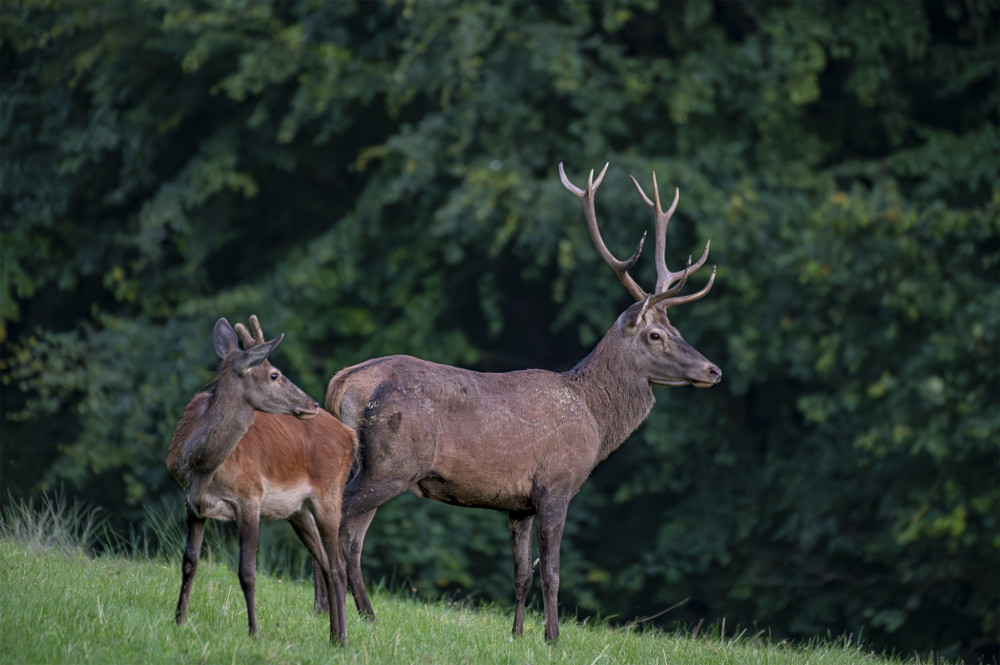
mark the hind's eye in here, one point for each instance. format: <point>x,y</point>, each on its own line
<point>274,376</point>
<point>654,336</point>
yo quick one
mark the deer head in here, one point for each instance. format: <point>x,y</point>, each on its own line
<point>248,373</point>
<point>649,338</point>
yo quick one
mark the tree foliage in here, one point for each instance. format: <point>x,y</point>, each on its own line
<point>378,178</point>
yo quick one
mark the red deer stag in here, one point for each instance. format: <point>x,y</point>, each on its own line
<point>521,442</point>
<point>237,460</point>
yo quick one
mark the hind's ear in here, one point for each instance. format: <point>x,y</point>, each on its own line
<point>224,338</point>
<point>256,355</point>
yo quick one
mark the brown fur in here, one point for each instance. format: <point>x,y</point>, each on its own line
<point>241,464</point>
<point>281,451</point>
<point>522,442</point>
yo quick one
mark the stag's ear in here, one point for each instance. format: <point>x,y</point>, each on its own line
<point>224,338</point>
<point>634,316</point>
<point>256,355</point>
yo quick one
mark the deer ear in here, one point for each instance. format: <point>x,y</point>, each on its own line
<point>224,338</point>
<point>256,355</point>
<point>632,317</point>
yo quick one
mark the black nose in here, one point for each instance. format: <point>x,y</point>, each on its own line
<point>715,373</point>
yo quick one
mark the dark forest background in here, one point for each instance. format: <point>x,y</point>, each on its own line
<point>380,178</point>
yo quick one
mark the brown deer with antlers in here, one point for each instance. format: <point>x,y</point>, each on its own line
<point>239,461</point>
<point>521,442</point>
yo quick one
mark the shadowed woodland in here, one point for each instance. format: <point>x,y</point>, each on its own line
<point>380,178</point>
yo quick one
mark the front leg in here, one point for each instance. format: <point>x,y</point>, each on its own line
<point>248,526</point>
<point>551,521</point>
<point>192,552</point>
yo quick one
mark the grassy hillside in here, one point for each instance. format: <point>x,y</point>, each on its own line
<point>59,606</point>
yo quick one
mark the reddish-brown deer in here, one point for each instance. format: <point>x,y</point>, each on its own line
<point>521,442</point>
<point>239,461</point>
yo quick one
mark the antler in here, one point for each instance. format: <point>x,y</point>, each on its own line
<point>248,339</point>
<point>667,283</point>
<point>586,197</point>
<point>665,279</point>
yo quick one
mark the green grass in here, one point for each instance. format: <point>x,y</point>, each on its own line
<point>58,605</point>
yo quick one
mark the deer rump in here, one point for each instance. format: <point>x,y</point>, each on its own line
<point>466,438</point>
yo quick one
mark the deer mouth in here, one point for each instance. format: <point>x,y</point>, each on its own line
<point>306,414</point>
<point>713,375</point>
<point>671,383</point>
<point>676,383</point>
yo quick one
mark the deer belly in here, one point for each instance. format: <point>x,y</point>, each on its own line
<point>281,501</point>
<point>471,496</point>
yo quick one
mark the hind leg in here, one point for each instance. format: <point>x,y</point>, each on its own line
<point>352,540</point>
<point>361,499</point>
<point>327,513</point>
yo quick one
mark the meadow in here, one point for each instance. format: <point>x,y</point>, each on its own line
<point>60,603</point>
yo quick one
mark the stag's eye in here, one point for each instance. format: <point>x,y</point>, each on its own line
<point>655,336</point>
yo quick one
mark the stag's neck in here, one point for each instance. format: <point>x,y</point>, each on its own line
<point>617,392</point>
<point>221,426</point>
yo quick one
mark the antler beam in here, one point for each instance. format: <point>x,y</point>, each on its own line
<point>586,197</point>
<point>667,283</point>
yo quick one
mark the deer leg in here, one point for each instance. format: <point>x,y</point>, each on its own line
<point>361,499</point>
<point>341,575</point>
<point>308,533</point>
<point>321,599</point>
<point>192,552</point>
<point>328,522</point>
<point>248,526</point>
<point>352,540</point>
<point>551,521</point>
<point>519,526</point>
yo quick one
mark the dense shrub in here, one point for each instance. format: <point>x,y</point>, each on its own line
<point>380,178</point>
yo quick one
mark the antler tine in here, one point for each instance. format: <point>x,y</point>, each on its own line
<point>586,197</point>
<point>250,339</point>
<point>255,326</point>
<point>688,270</point>
<point>668,283</point>
<point>245,337</point>
<point>680,283</point>
<point>663,276</point>
<point>665,302</point>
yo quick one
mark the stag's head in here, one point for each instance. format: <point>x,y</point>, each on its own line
<point>651,341</point>
<point>248,374</point>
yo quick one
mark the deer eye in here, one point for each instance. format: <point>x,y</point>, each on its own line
<point>274,376</point>
<point>654,336</point>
